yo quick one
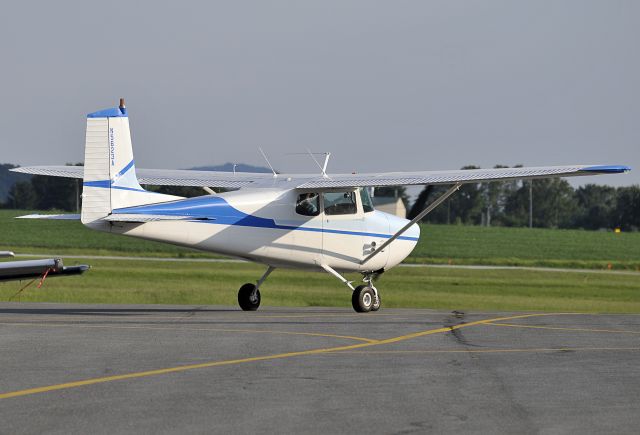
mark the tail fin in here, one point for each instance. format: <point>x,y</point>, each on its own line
<point>110,180</point>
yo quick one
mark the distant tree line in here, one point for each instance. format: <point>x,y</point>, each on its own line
<point>44,193</point>
<point>556,204</point>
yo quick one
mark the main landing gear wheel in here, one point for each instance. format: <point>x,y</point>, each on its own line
<point>362,299</point>
<point>249,297</point>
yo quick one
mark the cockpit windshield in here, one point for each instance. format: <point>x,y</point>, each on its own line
<point>336,203</point>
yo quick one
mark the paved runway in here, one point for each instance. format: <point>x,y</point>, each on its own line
<point>164,369</point>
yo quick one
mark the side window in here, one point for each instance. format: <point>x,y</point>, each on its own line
<point>339,203</point>
<point>308,204</point>
<point>367,204</point>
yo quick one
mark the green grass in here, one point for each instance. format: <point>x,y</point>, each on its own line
<point>442,244</point>
<point>457,244</point>
<point>119,281</point>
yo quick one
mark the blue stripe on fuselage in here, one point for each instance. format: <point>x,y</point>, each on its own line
<point>221,213</point>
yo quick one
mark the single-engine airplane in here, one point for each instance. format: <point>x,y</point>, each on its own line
<point>321,222</point>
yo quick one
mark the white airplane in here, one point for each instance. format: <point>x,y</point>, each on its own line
<point>319,222</point>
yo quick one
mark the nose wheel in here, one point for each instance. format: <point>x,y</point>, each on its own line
<point>365,298</point>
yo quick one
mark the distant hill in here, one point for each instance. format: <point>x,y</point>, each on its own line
<point>228,167</point>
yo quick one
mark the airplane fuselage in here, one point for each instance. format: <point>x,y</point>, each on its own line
<point>263,225</point>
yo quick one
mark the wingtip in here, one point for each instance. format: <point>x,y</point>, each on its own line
<point>607,169</point>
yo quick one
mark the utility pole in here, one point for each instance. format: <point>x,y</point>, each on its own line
<point>531,203</point>
<point>77,196</point>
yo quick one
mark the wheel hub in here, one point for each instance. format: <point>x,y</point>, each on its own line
<point>366,299</point>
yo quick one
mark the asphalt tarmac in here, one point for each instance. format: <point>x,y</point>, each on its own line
<point>181,369</point>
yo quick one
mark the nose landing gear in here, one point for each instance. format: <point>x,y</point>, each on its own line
<point>365,297</point>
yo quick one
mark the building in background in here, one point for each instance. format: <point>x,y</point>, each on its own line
<point>391,205</point>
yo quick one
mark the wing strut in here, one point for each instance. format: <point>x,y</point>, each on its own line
<point>420,215</point>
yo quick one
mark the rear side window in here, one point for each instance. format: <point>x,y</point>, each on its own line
<point>339,203</point>
<point>367,204</point>
<point>308,204</point>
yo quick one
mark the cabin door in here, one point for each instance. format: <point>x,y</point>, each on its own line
<point>342,230</point>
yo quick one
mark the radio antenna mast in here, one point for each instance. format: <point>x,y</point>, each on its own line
<point>268,163</point>
<point>323,168</point>
<point>326,162</point>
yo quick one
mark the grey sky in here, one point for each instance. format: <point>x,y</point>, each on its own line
<point>385,86</point>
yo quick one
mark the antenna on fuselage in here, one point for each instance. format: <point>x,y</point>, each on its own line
<point>275,174</point>
<point>326,162</point>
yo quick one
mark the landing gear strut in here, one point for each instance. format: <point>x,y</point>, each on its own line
<point>249,293</point>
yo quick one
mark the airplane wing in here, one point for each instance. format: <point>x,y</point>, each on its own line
<point>19,270</point>
<point>458,176</point>
<point>161,177</point>
<point>230,180</point>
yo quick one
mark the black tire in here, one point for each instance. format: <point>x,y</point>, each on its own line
<point>245,300</point>
<point>376,304</point>
<point>362,299</point>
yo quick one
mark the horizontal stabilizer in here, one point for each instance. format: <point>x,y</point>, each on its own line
<point>141,218</point>
<point>58,217</point>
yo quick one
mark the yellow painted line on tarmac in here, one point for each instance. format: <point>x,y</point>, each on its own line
<point>183,368</point>
<point>524,350</point>
<point>615,331</point>
<point>160,328</point>
<point>174,370</point>
<point>463,325</point>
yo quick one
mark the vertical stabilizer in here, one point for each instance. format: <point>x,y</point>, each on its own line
<point>110,180</point>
